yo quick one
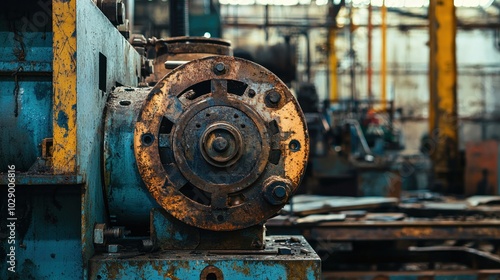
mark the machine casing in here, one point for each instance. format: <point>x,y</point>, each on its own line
<point>60,63</point>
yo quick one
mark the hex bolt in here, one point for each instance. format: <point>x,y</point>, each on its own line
<point>99,236</point>
<point>279,192</point>
<point>219,68</point>
<point>220,144</point>
<point>273,98</point>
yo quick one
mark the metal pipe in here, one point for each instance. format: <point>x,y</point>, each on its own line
<point>308,56</point>
<point>179,18</point>
<point>266,22</point>
<point>383,74</point>
<point>352,55</point>
<point>248,25</point>
<point>370,42</point>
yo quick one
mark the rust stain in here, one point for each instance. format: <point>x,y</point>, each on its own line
<point>243,269</point>
<point>113,270</point>
<point>421,231</point>
<point>299,270</point>
<point>295,128</point>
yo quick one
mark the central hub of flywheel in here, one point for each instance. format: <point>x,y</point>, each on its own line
<point>221,144</point>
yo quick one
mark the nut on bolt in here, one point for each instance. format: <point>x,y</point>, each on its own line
<point>272,99</point>
<point>99,236</point>
<point>279,192</point>
<point>219,68</point>
<point>276,190</point>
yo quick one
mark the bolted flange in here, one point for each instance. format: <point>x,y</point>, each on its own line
<point>219,148</point>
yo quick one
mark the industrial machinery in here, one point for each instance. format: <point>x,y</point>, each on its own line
<point>113,173</point>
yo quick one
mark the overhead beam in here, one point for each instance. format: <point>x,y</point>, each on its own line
<point>249,25</point>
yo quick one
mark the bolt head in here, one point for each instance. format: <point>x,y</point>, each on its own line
<point>219,68</point>
<point>273,97</point>
<point>220,144</point>
<point>279,192</point>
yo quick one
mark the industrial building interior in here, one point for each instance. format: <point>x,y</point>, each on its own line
<point>252,139</point>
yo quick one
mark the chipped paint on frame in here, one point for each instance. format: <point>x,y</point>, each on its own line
<point>64,82</point>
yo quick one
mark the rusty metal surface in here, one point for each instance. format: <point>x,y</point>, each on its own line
<point>364,230</point>
<point>221,143</point>
<point>316,204</point>
<point>178,45</point>
<point>482,168</point>
<point>184,49</point>
<point>171,234</point>
<point>285,257</point>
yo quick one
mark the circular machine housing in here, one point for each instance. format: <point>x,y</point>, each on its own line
<point>184,49</point>
<point>221,143</point>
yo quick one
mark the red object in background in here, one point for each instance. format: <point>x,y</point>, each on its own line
<point>482,168</point>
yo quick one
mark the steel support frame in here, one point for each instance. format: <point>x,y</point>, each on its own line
<point>280,260</point>
<point>58,207</point>
<point>443,130</point>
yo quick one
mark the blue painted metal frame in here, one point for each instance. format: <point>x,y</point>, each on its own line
<point>301,264</point>
<point>56,217</point>
<point>48,236</point>
<point>25,96</point>
<point>129,202</point>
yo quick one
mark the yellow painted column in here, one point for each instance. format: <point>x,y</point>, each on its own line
<point>333,65</point>
<point>64,83</point>
<point>383,60</point>
<point>443,93</point>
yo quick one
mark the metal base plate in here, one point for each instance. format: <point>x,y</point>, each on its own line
<point>285,257</point>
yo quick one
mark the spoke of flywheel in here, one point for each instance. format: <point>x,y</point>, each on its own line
<point>219,200</point>
<point>174,108</point>
<point>176,180</point>
<point>164,140</point>
<point>218,88</point>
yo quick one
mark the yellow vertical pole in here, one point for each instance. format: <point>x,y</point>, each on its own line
<point>332,65</point>
<point>443,92</point>
<point>383,61</point>
<point>64,83</point>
